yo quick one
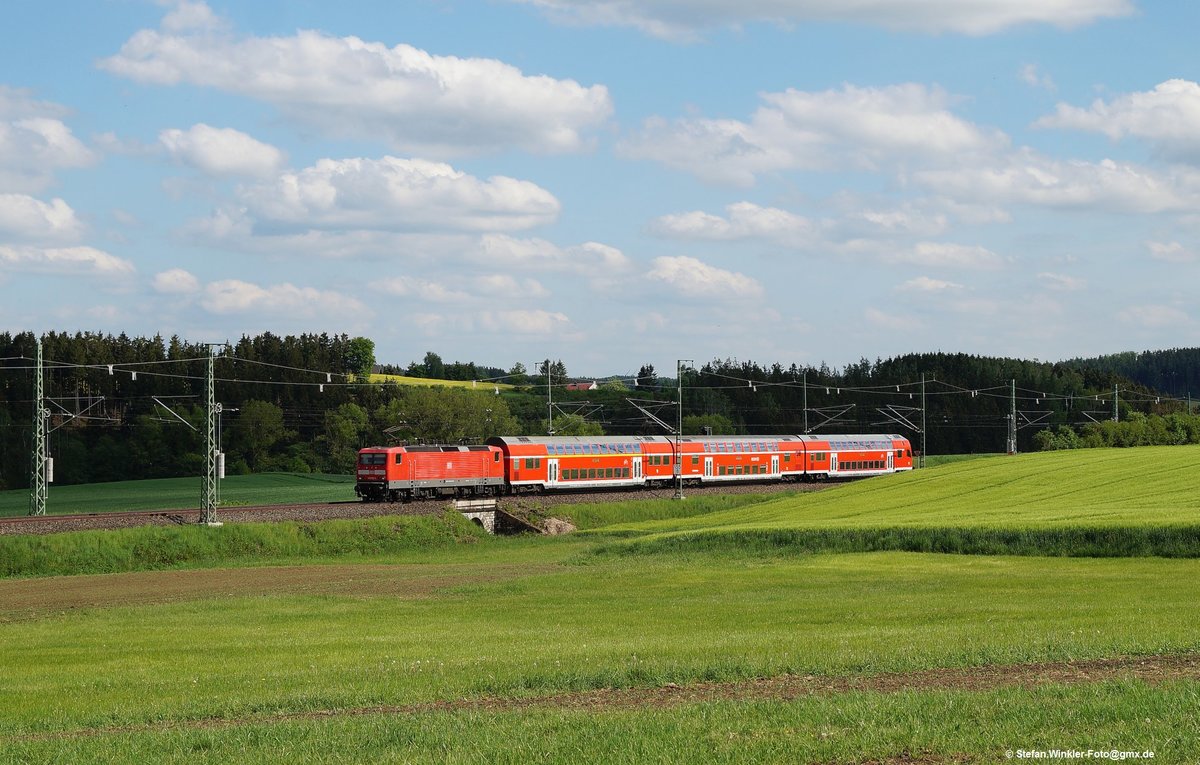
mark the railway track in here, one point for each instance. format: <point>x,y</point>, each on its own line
<point>58,523</point>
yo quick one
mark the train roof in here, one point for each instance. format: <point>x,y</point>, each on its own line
<point>555,440</point>
<point>431,448</point>
<point>851,440</point>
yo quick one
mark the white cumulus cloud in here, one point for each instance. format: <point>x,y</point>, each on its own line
<point>926,284</point>
<point>675,20</point>
<point>421,289</point>
<point>851,128</point>
<point>176,281</point>
<point>396,194</point>
<point>589,258</point>
<point>23,218</point>
<point>35,143</point>
<point>69,261</point>
<point>234,296</point>
<point>694,278</point>
<point>221,151</point>
<point>1026,177</point>
<point>504,285</point>
<point>1171,252</point>
<point>1061,282</point>
<point>1035,78</point>
<point>744,220</point>
<point>1168,117</point>
<point>947,255</point>
<point>419,102</point>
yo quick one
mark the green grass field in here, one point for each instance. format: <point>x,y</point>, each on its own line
<point>175,493</point>
<point>392,643</point>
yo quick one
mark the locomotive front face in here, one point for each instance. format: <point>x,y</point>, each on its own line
<point>372,466</point>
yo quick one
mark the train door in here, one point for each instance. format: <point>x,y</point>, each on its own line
<point>891,463</point>
<point>552,472</point>
<point>708,467</point>
<point>833,462</point>
<point>637,468</point>
<point>775,465</point>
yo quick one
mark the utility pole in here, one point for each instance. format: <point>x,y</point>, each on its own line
<point>40,463</point>
<point>679,430</point>
<point>806,402</point>
<point>210,482</point>
<point>923,419</point>
<point>1116,412</point>
<point>1012,420</point>
<point>549,401</point>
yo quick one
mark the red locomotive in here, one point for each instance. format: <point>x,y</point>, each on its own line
<point>516,464</point>
<point>402,473</point>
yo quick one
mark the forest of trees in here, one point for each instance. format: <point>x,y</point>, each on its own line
<point>302,404</point>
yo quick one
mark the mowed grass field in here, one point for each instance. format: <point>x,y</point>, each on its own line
<point>612,645</point>
<point>176,493</point>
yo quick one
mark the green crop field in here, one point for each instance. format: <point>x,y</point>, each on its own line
<point>1153,485</point>
<point>639,640</point>
<point>403,380</point>
<point>175,493</point>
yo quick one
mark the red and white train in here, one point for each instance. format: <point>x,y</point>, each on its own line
<point>517,464</point>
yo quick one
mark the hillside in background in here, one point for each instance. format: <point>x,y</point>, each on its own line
<point>1175,372</point>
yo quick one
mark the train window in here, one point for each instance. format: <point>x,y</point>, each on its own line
<point>695,459</point>
<point>495,457</point>
<point>529,462</point>
<point>787,458</point>
<point>608,472</point>
<point>399,458</point>
<point>720,470</point>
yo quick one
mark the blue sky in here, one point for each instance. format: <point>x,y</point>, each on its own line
<point>612,182</point>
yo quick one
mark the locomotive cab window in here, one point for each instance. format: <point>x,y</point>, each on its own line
<point>399,458</point>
